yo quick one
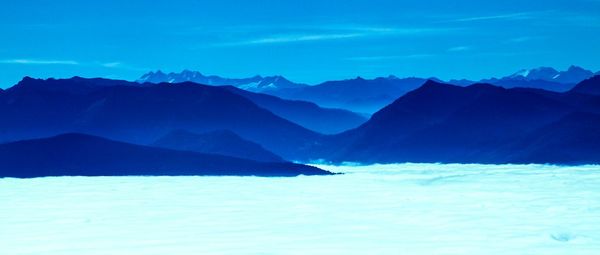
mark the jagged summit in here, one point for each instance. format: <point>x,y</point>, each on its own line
<point>574,74</point>
<point>255,83</point>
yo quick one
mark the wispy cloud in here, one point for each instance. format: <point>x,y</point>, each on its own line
<point>119,65</point>
<point>506,16</point>
<point>39,62</point>
<point>390,57</point>
<point>111,65</point>
<point>294,38</point>
<point>459,48</point>
<point>295,34</point>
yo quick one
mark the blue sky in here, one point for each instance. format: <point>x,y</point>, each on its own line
<point>307,41</point>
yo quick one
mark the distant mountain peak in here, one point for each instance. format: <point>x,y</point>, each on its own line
<point>540,73</point>
<point>575,68</point>
<point>27,79</point>
<point>158,72</point>
<point>255,83</point>
<point>433,83</point>
<point>574,74</point>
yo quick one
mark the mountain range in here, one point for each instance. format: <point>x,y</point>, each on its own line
<point>572,75</point>
<point>369,95</point>
<point>542,78</point>
<point>358,95</point>
<point>480,123</point>
<point>256,83</point>
<point>60,126</point>
<point>305,113</point>
<point>141,114</point>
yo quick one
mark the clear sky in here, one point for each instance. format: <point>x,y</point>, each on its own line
<point>307,41</point>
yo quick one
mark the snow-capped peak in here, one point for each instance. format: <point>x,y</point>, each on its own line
<point>523,73</point>
<point>572,75</point>
<point>256,83</point>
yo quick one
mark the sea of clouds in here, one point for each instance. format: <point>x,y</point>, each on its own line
<point>378,209</point>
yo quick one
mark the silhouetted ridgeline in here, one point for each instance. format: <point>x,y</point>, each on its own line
<point>370,95</point>
<point>475,124</point>
<point>256,83</point>
<point>479,123</point>
<point>359,95</point>
<point>141,114</point>
<point>590,86</point>
<point>84,155</point>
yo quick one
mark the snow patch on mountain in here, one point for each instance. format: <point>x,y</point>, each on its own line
<point>256,83</point>
<point>572,75</point>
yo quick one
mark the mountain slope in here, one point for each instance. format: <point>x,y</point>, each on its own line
<point>446,123</point>
<point>142,114</point>
<point>358,95</point>
<point>574,139</point>
<point>78,154</point>
<point>590,86</point>
<point>221,142</point>
<point>307,114</point>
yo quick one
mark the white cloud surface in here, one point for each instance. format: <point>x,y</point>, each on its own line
<point>378,209</point>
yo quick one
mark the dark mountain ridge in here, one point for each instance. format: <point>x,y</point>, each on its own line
<point>436,122</point>
<point>590,86</point>
<point>480,123</point>
<point>141,114</point>
<point>370,95</point>
<point>84,155</point>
